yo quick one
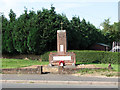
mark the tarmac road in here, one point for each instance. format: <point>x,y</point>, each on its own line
<point>55,77</point>
<point>56,81</point>
<point>36,85</point>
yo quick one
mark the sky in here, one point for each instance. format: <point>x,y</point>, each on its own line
<point>94,11</point>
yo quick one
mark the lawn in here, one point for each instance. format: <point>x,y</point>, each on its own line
<point>17,63</point>
<point>100,72</point>
<point>116,67</point>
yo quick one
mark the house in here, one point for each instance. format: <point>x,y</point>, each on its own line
<point>99,47</point>
<point>115,47</point>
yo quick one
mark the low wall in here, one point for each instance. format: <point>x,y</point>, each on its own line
<point>37,70</point>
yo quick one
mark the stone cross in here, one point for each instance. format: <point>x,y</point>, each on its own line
<point>61,25</point>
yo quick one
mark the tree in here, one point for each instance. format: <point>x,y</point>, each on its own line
<point>36,33</point>
<point>4,34</point>
<point>74,33</point>
<point>106,26</point>
<point>7,31</point>
<point>20,34</point>
<point>111,32</point>
<point>115,32</point>
<point>42,36</point>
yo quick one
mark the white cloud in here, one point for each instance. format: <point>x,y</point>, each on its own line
<point>15,2</point>
<point>73,0</point>
<point>9,2</point>
<point>18,1</point>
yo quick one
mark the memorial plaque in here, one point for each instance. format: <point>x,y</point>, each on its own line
<point>61,57</point>
<point>61,48</point>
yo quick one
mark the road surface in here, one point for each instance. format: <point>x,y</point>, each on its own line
<point>34,85</point>
<point>55,77</point>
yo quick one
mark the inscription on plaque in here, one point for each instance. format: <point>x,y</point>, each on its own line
<point>61,48</point>
<point>61,58</point>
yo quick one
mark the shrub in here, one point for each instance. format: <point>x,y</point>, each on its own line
<point>97,57</point>
<point>45,56</point>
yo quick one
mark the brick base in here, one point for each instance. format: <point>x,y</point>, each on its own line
<point>67,62</point>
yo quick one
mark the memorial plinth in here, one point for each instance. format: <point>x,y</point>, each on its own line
<point>61,54</point>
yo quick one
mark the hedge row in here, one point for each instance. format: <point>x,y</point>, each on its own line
<point>97,57</point>
<point>91,56</point>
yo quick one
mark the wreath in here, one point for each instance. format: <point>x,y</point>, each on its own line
<point>61,62</point>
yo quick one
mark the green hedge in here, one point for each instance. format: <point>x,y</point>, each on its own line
<point>45,56</point>
<point>97,57</point>
<point>91,56</point>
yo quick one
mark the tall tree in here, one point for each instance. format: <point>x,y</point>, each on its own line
<point>7,31</point>
<point>4,34</point>
<point>37,32</point>
<point>115,33</point>
<point>21,31</point>
<point>111,32</point>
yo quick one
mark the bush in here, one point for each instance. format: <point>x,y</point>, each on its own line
<point>85,56</point>
<point>45,56</point>
<point>97,57</point>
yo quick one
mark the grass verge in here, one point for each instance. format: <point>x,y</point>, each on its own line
<point>98,72</point>
<point>17,63</point>
<point>116,67</point>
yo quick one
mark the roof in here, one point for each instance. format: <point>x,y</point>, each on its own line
<point>103,44</point>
